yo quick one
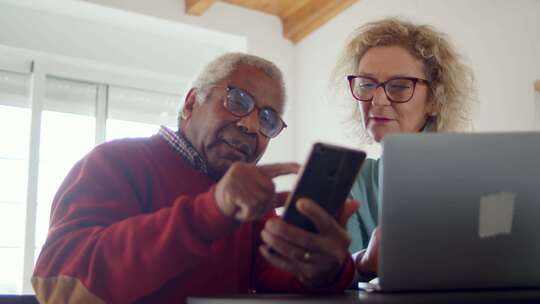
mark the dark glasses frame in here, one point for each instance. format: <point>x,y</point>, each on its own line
<point>415,80</point>
<point>253,106</point>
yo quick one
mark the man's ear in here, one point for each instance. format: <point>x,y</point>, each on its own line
<point>190,103</point>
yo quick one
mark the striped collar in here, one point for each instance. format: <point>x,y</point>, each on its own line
<point>181,144</point>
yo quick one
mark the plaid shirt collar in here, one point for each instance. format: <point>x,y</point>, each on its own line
<point>181,144</point>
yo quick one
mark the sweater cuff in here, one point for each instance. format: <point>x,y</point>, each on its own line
<point>210,221</point>
<point>343,280</point>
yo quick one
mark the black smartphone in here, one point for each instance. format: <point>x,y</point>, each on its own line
<point>326,178</point>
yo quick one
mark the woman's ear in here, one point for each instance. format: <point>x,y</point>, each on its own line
<point>432,109</point>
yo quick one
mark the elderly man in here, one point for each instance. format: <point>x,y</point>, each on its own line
<point>189,213</point>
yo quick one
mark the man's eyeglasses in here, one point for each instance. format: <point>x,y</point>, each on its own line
<point>399,89</point>
<point>240,103</point>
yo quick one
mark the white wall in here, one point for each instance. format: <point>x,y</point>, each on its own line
<point>501,38</point>
<point>75,29</point>
<point>263,34</point>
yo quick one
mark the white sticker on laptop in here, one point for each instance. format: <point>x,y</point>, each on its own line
<point>496,214</point>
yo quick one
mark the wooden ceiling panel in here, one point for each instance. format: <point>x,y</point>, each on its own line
<point>198,7</point>
<point>291,7</point>
<point>311,16</point>
<point>299,17</point>
<point>273,7</point>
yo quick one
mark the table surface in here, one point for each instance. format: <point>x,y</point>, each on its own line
<point>350,297</point>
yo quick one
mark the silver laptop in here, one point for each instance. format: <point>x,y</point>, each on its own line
<point>460,211</point>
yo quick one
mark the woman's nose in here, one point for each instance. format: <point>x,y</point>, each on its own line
<point>380,98</point>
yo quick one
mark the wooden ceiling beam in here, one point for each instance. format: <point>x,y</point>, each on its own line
<point>311,16</point>
<point>537,85</point>
<point>298,17</point>
<point>268,6</point>
<point>292,7</point>
<point>198,7</point>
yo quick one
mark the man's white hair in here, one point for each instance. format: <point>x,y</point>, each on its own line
<point>223,66</point>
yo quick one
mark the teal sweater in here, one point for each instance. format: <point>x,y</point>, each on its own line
<point>366,190</point>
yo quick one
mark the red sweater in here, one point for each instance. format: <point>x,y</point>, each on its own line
<point>135,222</point>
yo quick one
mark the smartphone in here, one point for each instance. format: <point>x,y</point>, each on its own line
<point>326,178</point>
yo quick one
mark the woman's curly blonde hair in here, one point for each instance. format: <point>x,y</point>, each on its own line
<point>452,81</point>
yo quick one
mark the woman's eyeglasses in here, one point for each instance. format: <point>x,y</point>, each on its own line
<point>399,89</point>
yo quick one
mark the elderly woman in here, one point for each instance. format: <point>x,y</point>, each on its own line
<point>403,78</point>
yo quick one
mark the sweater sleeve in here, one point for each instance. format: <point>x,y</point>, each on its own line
<point>271,279</point>
<point>102,247</point>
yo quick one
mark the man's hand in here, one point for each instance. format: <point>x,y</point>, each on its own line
<point>316,259</point>
<point>368,262</point>
<point>247,192</point>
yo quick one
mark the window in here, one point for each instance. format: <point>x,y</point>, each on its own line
<point>71,124</point>
<point>134,112</point>
<point>68,127</point>
<point>14,132</point>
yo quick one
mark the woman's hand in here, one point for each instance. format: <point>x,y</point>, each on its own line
<point>316,259</point>
<point>367,262</point>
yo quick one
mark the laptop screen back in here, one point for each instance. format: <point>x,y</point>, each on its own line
<point>460,211</point>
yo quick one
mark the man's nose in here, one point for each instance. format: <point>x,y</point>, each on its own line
<point>249,123</point>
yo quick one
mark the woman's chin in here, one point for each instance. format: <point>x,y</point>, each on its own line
<point>378,135</point>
